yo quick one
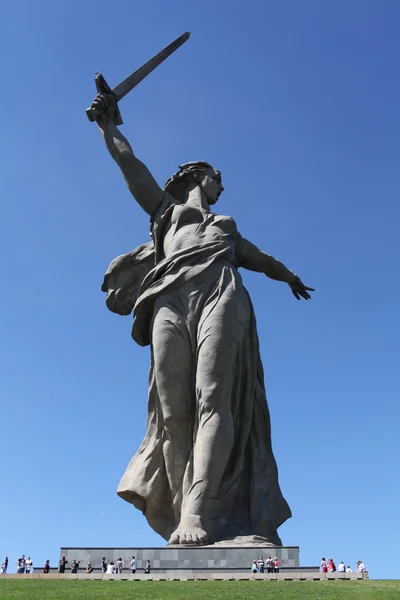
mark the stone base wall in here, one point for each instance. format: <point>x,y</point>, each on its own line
<point>189,559</point>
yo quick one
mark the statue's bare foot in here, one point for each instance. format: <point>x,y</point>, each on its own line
<point>190,532</point>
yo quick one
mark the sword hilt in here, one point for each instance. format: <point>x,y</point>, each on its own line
<point>103,88</point>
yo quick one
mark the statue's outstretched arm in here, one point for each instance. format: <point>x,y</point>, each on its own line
<point>140,181</point>
<point>252,258</point>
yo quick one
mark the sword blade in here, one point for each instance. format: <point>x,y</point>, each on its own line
<point>132,80</point>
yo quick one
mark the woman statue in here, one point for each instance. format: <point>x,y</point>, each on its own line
<point>205,471</point>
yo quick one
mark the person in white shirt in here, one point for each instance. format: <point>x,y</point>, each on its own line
<point>132,565</point>
<point>269,563</point>
<point>324,565</point>
<point>110,569</point>
<point>342,567</point>
<point>28,565</point>
<point>349,569</point>
<point>120,565</point>
<point>261,564</point>
<point>360,567</point>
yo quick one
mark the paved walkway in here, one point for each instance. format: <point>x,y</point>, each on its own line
<point>199,576</point>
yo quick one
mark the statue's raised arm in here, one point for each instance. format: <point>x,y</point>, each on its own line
<point>140,181</point>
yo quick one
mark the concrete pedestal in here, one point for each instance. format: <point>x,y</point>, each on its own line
<point>189,559</point>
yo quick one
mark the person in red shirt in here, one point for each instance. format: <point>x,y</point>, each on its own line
<point>277,564</point>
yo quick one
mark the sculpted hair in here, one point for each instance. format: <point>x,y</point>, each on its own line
<point>176,185</point>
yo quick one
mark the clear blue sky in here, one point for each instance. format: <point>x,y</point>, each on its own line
<point>297,103</point>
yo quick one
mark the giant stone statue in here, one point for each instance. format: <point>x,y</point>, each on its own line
<point>205,471</point>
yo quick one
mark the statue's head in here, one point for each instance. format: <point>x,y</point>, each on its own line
<point>194,174</point>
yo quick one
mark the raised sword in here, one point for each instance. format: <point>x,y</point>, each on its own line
<point>132,80</point>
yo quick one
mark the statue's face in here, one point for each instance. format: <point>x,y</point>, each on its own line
<point>211,184</point>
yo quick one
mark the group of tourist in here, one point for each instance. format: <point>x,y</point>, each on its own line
<point>328,566</point>
<point>117,568</point>
<point>270,564</point>
<point>24,565</point>
<point>108,568</point>
<point>62,564</point>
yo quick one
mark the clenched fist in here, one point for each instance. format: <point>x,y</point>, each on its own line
<point>103,106</point>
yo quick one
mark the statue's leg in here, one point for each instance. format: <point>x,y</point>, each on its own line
<point>220,337</point>
<point>175,386</point>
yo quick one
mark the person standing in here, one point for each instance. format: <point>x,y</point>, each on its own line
<point>75,566</point>
<point>132,565</point>
<point>4,566</point>
<point>254,567</point>
<point>148,568</point>
<point>261,564</point>
<point>324,565</point>
<point>120,565</point>
<point>89,568</point>
<point>269,563</point>
<point>61,565</point>
<point>28,565</point>
<point>331,566</point>
<point>277,564</point>
<point>103,565</point>
<point>46,567</point>
<point>21,564</point>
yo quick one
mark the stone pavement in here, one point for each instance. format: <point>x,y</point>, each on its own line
<point>300,576</point>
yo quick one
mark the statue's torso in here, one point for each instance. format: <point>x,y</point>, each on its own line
<point>192,227</point>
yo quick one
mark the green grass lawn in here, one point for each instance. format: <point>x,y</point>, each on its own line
<point>17,589</point>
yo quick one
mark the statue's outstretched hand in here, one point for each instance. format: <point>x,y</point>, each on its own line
<point>300,290</point>
<point>105,105</point>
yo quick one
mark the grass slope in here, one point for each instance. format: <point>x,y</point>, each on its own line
<point>13,589</point>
